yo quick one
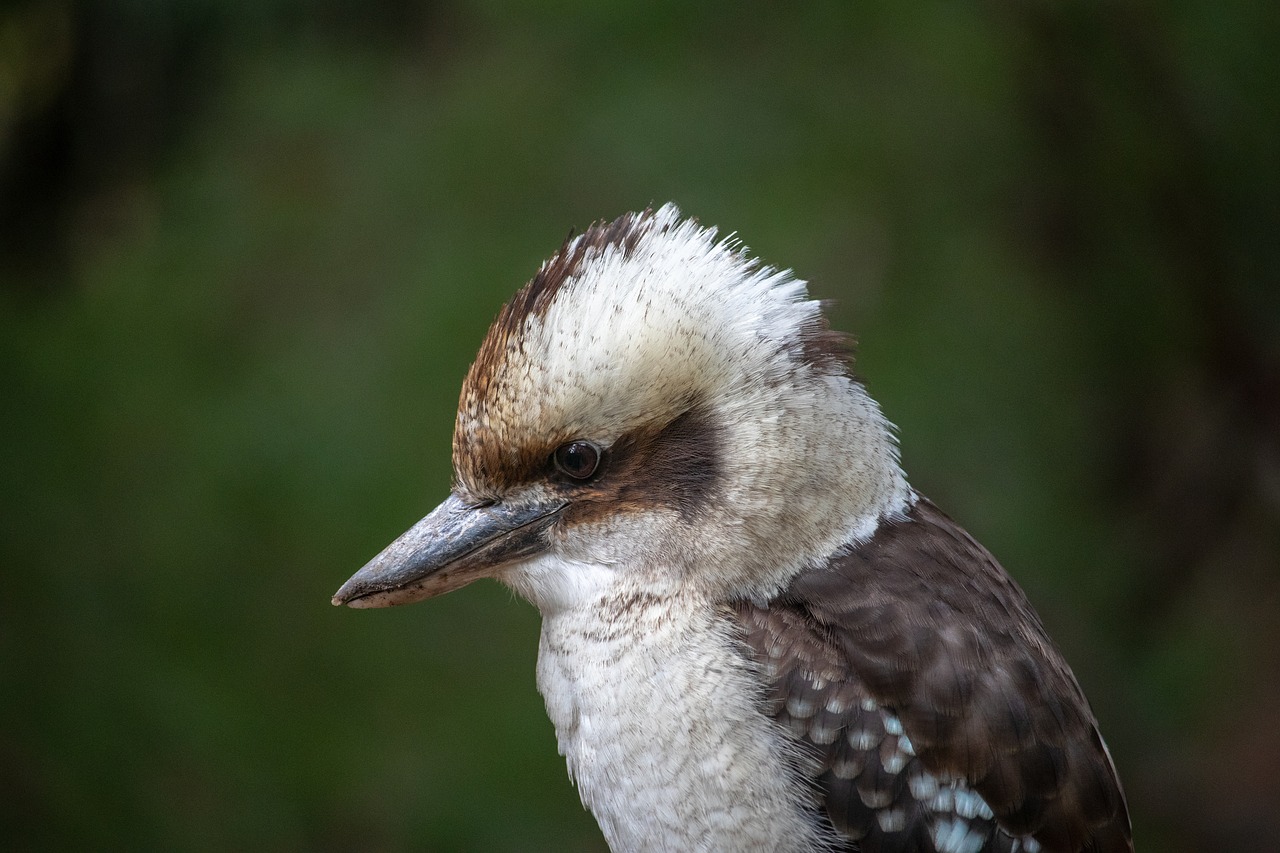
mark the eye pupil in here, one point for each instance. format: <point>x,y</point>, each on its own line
<point>578,459</point>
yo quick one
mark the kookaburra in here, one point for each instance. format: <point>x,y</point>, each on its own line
<point>755,634</point>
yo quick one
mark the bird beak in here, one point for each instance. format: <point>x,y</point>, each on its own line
<point>454,545</point>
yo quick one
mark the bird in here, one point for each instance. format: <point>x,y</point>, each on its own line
<point>755,634</point>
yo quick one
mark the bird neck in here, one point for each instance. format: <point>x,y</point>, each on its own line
<point>811,470</point>
<point>659,717</point>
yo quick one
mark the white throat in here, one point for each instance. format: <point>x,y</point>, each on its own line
<point>659,717</point>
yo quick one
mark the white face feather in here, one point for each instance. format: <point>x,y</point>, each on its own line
<point>632,338</point>
<point>641,331</point>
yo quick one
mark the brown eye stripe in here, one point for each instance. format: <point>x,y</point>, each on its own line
<point>676,466</point>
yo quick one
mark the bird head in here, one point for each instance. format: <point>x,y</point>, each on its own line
<point>655,409</point>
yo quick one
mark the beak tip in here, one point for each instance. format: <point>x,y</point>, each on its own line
<point>358,595</point>
<point>345,596</point>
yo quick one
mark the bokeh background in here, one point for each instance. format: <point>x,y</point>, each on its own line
<point>247,250</point>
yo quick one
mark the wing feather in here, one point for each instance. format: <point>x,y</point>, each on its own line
<point>942,716</point>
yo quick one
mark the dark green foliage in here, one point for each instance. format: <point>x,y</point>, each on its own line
<point>248,249</point>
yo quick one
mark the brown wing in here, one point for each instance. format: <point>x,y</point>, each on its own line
<point>944,717</point>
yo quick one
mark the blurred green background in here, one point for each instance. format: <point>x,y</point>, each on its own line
<point>247,251</point>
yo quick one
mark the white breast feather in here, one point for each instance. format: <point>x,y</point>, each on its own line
<point>664,738</point>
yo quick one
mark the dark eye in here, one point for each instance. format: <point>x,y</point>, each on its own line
<point>578,459</point>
